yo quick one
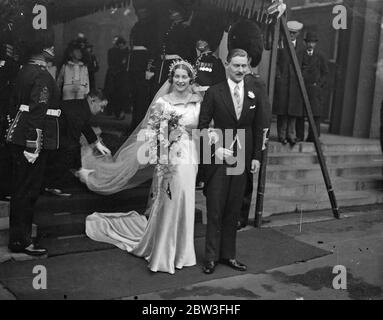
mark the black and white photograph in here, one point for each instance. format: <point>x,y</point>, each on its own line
<point>205,152</point>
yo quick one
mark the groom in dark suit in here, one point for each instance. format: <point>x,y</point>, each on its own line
<point>232,105</point>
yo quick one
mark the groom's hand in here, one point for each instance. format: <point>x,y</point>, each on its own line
<point>255,165</point>
<point>223,153</point>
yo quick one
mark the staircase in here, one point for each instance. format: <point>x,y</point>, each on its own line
<point>295,182</point>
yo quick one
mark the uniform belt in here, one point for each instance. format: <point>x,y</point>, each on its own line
<point>172,57</point>
<point>139,48</point>
<point>50,112</point>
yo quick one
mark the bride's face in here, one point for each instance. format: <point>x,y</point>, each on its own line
<point>181,80</point>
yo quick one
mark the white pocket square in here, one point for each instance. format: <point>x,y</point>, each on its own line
<point>252,107</point>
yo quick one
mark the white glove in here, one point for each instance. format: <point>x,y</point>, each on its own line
<point>83,174</point>
<point>223,153</point>
<point>103,150</point>
<point>255,166</point>
<point>31,157</point>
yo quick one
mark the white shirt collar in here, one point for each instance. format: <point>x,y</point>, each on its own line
<point>295,43</point>
<point>233,84</point>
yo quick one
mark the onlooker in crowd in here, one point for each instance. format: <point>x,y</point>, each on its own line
<point>92,65</point>
<point>73,79</point>
<point>74,121</point>
<point>315,71</point>
<point>116,79</point>
<point>287,103</point>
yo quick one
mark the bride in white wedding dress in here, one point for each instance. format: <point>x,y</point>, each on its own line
<point>166,239</point>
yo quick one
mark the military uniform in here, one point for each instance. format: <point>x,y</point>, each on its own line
<point>34,129</point>
<point>140,59</point>
<point>210,70</point>
<point>177,44</point>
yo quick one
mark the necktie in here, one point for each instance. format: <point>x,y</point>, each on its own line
<point>238,104</point>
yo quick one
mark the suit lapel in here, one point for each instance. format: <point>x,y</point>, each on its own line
<point>246,102</point>
<point>228,100</point>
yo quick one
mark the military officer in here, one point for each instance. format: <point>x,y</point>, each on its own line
<point>143,45</point>
<point>210,69</point>
<point>177,44</point>
<point>314,71</point>
<point>33,131</point>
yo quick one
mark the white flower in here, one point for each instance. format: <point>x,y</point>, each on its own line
<point>251,95</point>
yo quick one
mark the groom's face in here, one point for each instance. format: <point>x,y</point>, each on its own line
<point>237,68</point>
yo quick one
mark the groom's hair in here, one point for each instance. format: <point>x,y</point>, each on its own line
<point>236,53</point>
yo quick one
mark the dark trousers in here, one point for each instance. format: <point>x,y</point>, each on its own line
<point>286,127</point>
<point>246,204</point>
<point>140,96</point>
<point>300,128</point>
<point>26,184</point>
<point>317,121</point>
<point>5,170</point>
<point>59,163</point>
<point>224,201</point>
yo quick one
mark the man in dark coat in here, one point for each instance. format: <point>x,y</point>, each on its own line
<point>314,70</point>
<point>143,47</point>
<point>33,132</point>
<point>287,102</point>
<point>74,121</point>
<point>232,105</point>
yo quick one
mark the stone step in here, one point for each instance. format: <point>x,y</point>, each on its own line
<point>83,199</point>
<point>307,187</point>
<point>358,147</point>
<point>333,158</point>
<point>313,172</point>
<point>320,201</point>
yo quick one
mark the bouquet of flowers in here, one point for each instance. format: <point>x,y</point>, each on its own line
<point>164,131</point>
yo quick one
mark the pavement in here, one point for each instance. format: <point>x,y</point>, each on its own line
<point>356,243</point>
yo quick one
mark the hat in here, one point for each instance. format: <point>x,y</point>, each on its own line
<point>247,35</point>
<point>311,37</point>
<point>207,26</point>
<point>294,26</point>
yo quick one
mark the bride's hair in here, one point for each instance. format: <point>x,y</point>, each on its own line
<point>184,66</point>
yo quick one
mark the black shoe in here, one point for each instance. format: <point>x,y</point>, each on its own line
<point>31,250</point>
<point>232,263</point>
<point>283,141</point>
<point>292,142</point>
<point>299,140</point>
<point>57,192</point>
<point>241,225</point>
<point>209,267</point>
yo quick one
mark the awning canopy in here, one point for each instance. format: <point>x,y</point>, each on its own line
<point>66,10</point>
